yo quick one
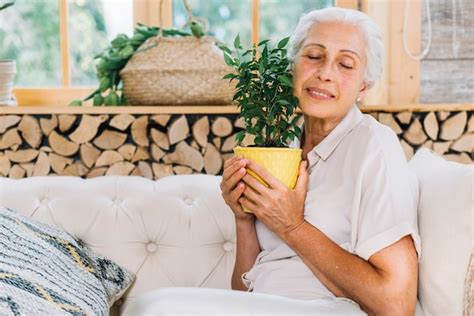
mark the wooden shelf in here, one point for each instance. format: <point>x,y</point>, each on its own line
<point>209,109</point>
<point>174,109</point>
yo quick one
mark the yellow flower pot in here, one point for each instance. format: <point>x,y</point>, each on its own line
<point>282,163</point>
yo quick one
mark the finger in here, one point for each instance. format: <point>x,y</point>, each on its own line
<point>264,174</point>
<point>303,176</point>
<point>249,204</point>
<point>250,193</point>
<point>234,179</point>
<point>231,160</point>
<point>231,169</point>
<point>255,184</point>
<point>237,192</point>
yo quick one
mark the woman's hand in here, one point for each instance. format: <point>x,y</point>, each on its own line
<point>281,209</point>
<point>232,187</point>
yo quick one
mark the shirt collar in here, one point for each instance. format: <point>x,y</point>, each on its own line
<point>326,147</point>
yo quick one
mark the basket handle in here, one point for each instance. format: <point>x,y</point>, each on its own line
<point>190,17</point>
<point>160,28</point>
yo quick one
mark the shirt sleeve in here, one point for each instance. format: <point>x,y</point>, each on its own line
<point>388,198</point>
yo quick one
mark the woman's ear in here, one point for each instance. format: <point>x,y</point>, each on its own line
<point>364,87</point>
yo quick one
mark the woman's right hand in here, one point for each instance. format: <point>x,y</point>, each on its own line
<point>232,187</point>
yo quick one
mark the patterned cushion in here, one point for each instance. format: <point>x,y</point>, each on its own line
<point>44,270</point>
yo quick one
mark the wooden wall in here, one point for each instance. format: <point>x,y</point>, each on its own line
<point>447,75</point>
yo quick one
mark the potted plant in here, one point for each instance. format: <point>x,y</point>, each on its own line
<point>7,74</point>
<point>112,63</point>
<point>264,96</point>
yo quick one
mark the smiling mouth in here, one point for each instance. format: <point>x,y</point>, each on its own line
<point>318,94</point>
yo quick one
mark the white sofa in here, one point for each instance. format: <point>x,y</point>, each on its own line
<point>177,231</point>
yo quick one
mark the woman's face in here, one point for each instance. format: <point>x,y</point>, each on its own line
<point>328,73</point>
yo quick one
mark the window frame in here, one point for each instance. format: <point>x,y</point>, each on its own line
<point>144,11</point>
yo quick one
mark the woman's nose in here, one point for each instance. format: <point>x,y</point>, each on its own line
<point>325,73</point>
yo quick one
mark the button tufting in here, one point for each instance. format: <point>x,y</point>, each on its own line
<point>228,246</point>
<point>151,247</point>
<point>188,201</point>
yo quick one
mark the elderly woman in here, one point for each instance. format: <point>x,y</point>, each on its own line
<point>345,239</point>
<point>349,228</point>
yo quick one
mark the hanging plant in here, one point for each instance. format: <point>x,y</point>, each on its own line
<point>113,59</point>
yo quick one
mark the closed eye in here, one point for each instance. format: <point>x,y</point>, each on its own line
<point>347,67</point>
<point>314,57</point>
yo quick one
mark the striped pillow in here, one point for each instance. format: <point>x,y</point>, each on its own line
<point>45,270</point>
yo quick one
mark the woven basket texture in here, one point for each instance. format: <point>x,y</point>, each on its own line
<point>177,70</point>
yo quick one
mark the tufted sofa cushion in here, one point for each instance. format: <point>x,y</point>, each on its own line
<point>176,231</point>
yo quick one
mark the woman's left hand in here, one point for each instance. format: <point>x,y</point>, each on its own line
<point>281,209</point>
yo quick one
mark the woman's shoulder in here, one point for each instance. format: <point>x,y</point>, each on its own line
<point>383,152</point>
<point>376,135</point>
<point>379,142</point>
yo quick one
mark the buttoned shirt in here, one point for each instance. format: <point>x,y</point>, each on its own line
<point>360,194</point>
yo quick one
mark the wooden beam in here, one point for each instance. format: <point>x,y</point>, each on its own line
<point>404,72</point>
<point>64,42</point>
<point>210,109</point>
<point>380,13</point>
<point>148,12</point>
<point>255,17</point>
<point>348,4</point>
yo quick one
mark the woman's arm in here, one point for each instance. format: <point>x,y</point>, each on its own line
<point>386,284</point>
<point>248,246</point>
<point>247,250</point>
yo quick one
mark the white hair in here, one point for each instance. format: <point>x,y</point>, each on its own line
<point>371,32</point>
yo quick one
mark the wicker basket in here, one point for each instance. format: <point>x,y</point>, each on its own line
<point>177,70</point>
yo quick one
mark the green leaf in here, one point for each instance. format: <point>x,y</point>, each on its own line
<point>105,83</point>
<point>228,60</point>
<point>229,76</point>
<point>285,80</point>
<point>75,103</point>
<point>120,41</point>
<point>123,99</point>
<point>283,102</point>
<point>127,51</point>
<point>90,96</point>
<point>298,131</point>
<point>239,137</point>
<point>281,44</point>
<point>237,42</point>
<point>111,98</point>
<point>264,54</point>
<point>173,32</point>
<point>225,49</point>
<point>138,39</point>
<point>259,140</point>
<point>114,63</point>
<point>98,99</point>
<point>100,65</point>
<point>196,29</point>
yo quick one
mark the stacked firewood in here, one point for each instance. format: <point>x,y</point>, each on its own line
<point>155,146</point>
<point>447,134</point>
